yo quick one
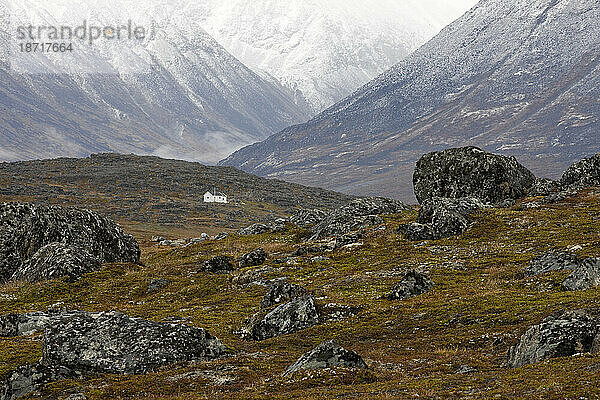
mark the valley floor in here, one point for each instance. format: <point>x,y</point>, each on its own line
<point>451,342</point>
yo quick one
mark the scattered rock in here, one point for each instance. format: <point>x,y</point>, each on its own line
<point>471,172</point>
<point>585,276</point>
<point>287,318</point>
<point>307,218</point>
<point>219,265</point>
<point>25,228</point>
<point>543,187</point>
<point>553,260</point>
<point>254,258</point>
<point>256,229</point>
<point>157,284</point>
<point>441,218</point>
<point>281,292</point>
<point>326,355</point>
<point>54,261</point>
<point>582,174</point>
<point>12,325</point>
<point>29,378</point>
<point>466,369</point>
<point>221,236</point>
<point>355,215</point>
<point>77,396</point>
<point>302,251</point>
<point>559,335</point>
<point>413,284</point>
<point>157,239</point>
<point>345,240</point>
<point>319,259</point>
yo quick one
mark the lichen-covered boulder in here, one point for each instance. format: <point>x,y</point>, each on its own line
<point>287,318</point>
<point>471,172</point>
<point>357,214</point>
<point>441,218</point>
<point>57,260</point>
<point>281,292</point>
<point>254,258</point>
<point>25,228</point>
<point>326,355</point>
<point>218,264</point>
<point>559,335</point>
<point>585,276</point>
<point>111,342</point>
<point>584,173</point>
<point>553,260</point>
<point>413,284</point>
<point>29,378</point>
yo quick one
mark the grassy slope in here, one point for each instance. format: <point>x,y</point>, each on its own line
<point>480,306</point>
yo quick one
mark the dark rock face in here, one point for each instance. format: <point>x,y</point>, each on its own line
<point>218,264</point>
<point>306,218</point>
<point>441,217</point>
<point>115,343</point>
<point>28,378</point>
<point>281,292</point>
<point>254,258</point>
<point>559,335</point>
<point>583,174</point>
<point>413,284</point>
<point>327,354</point>
<point>585,276</point>
<point>26,228</point>
<point>553,260</point>
<point>57,260</point>
<point>471,172</point>
<point>287,318</point>
<point>355,215</point>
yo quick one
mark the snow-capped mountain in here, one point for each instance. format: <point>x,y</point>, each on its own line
<point>323,50</point>
<point>176,94</point>
<point>520,77</point>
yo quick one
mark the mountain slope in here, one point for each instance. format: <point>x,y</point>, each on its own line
<point>516,77</point>
<point>323,50</point>
<point>192,99</point>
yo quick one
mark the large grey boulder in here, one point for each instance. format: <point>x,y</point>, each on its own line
<point>585,276</point>
<point>218,264</point>
<point>412,284</point>
<point>326,355</point>
<point>471,172</point>
<point>559,335</point>
<point>356,215</point>
<point>441,218</point>
<point>281,292</point>
<point>254,258</point>
<point>25,228</point>
<point>553,260</point>
<point>287,318</point>
<point>57,260</point>
<point>29,378</point>
<point>582,174</point>
<point>111,342</point>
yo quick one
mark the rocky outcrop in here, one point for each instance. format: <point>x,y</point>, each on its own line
<point>471,172</point>
<point>584,173</point>
<point>559,335</point>
<point>553,260</point>
<point>585,276</point>
<point>307,218</point>
<point>218,265</point>
<point>26,228</point>
<point>57,260</point>
<point>413,284</point>
<point>441,218</point>
<point>256,229</point>
<point>543,187</point>
<point>281,292</point>
<point>356,215</point>
<point>79,343</point>
<point>326,355</point>
<point>254,258</point>
<point>287,318</point>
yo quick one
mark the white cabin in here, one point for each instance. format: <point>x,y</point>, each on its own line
<point>215,196</point>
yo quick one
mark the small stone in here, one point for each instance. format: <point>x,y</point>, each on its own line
<point>326,355</point>
<point>254,258</point>
<point>413,284</point>
<point>219,265</point>
<point>287,318</point>
<point>157,284</point>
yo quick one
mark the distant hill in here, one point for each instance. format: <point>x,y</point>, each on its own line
<point>156,190</point>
